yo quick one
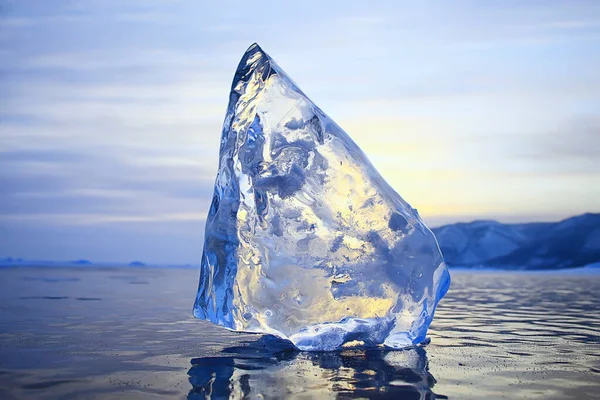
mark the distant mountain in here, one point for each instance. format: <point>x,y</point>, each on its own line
<point>573,242</point>
<point>20,262</point>
<point>137,264</point>
<point>81,262</point>
<point>10,261</point>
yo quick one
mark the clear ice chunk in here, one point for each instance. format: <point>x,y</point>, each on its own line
<point>304,239</point>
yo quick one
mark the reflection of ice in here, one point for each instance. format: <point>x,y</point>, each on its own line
<point>253,371</point>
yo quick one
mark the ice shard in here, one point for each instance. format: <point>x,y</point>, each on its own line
<point>304,239</point>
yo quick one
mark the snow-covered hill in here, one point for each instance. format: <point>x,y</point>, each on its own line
<point>569,243</point>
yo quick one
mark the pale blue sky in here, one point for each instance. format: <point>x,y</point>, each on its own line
<point>111,111</point>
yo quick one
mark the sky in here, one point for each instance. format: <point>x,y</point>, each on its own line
<point>111,111</point>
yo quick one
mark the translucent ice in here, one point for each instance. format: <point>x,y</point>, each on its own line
<point>304,239</point>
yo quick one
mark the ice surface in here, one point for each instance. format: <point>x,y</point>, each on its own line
<point>304,239</point>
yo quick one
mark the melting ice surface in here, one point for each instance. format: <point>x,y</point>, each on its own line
<point>304,239</point>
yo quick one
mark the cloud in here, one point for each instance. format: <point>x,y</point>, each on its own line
<point>115,59</point>
<point>572,148</point>
<point>78,187</point>
<point>32,22</point>
<point>578,140</point>
<point>94,219</point>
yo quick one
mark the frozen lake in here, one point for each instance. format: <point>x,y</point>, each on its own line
<point>117,333</point>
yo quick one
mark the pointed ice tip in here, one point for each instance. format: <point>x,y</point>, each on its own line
<point>253,59</point>
<point>253,46</point>
<point>255,52</point>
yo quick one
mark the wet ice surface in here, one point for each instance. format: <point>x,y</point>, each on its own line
<point>129,333</point>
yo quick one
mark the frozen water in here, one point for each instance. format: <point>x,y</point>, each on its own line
<point>304,239</point>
